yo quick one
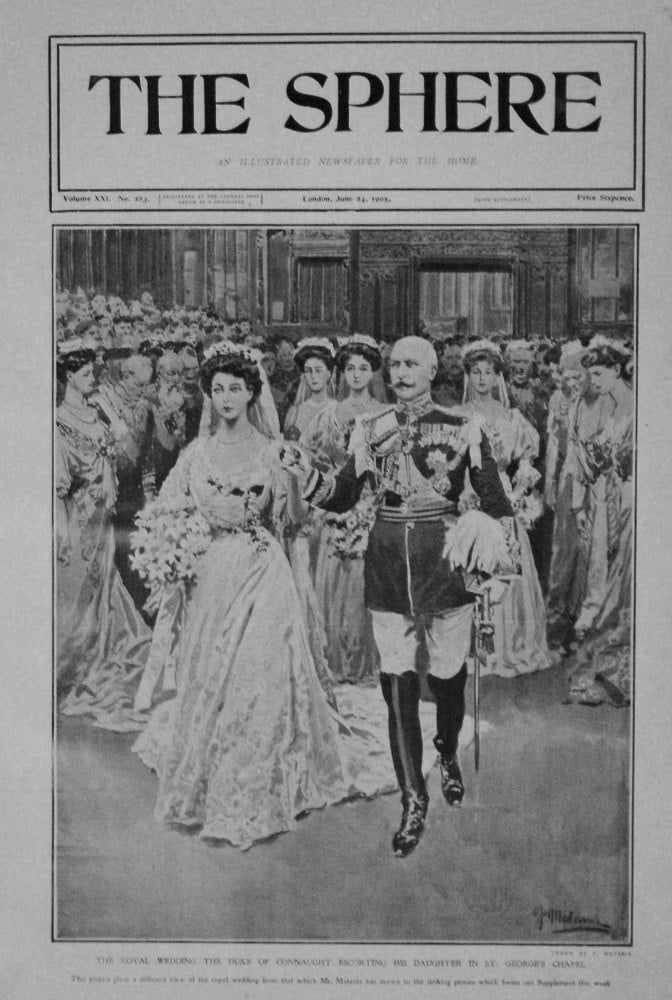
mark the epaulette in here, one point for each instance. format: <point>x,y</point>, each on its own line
<point>474,424</point>
<point>455,412</point>
<point>377,414</point>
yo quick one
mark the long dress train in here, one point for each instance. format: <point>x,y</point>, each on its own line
<point>604,662</point>
<point>520,618</point>
<point>102,641</point>
<point>339,574</point>
<point>250,742</point>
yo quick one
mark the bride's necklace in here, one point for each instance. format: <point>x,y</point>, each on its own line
<point>236,441</point>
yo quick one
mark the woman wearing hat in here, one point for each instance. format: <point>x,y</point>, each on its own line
<point>339,574</point>
<point>102,641</point>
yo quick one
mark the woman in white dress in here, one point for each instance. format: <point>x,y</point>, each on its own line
<point>520,618</point>
<point>603,667</point>
<point>101,639</point>
<point>250,741</point>
<point>315,359</point>
<point>567,566</point>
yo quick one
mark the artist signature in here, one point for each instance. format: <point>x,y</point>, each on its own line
<point>566,921</point>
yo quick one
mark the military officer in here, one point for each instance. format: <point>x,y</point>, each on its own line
<point>411,459</point>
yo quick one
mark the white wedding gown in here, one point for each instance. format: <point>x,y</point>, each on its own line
<point>250,741</point>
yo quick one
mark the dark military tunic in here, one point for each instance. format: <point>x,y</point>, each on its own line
<point>413,460</point>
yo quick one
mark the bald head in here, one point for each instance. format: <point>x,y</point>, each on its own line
<point>417,345</point>
<point>413,365</point>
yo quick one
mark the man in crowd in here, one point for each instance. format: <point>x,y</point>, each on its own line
<point>524,389</point>
<point>191,390</point>
<point>449,387</point>
<point>167,416</point>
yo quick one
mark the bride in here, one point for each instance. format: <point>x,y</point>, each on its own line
<point>250,742</point>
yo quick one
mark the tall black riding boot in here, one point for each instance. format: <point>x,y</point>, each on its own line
<point>450,705</point>
<point>402,694</point>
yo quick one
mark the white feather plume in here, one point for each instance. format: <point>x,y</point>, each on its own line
<point>476,544</point>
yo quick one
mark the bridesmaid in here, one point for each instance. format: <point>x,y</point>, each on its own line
<point>102,641</point>
<point>520,619</point>
<point>567,566</point>
<point>315,359</point>
<point>339,575</point>
<point>603,666</point>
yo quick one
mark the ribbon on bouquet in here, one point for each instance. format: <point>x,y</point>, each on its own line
<point>161,663</point>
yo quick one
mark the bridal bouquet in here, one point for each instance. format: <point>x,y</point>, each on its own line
<point>599,457</point>
<point>528,507</point>
<point>171,535</point>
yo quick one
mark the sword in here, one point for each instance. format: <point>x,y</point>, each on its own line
<point>484,643</point>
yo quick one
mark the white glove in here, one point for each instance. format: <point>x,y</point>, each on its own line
<point>295,461</point>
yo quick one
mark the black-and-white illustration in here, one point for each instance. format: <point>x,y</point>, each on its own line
<point>344,583</point>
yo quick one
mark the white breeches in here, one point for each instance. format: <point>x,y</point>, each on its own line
<point>448,639</point>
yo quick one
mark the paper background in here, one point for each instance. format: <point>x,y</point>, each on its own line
<point>30,964</point>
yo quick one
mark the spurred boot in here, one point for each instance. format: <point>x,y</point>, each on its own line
<point>402,695</point>
<point>450,706</point>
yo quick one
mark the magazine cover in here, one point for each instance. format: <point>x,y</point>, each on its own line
<point>336,475</point>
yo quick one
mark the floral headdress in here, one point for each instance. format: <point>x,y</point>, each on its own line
<point>603,351</point>
<point>315,347</point>
<point>362,344</point>
<point>600,341</point>
<point>323,343</point>
<point>488,347</point>
<point>263,414</point>
<point>491,351</point>
<point>73,354</point>
<point>74,344</point>
<point>227,348</point>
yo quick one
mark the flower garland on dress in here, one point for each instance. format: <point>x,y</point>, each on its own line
<point>599,458</point>
<point>251,524</point>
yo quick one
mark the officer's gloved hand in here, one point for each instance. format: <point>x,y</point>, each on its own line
<point>496,587</point>
<point>295,461</point>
